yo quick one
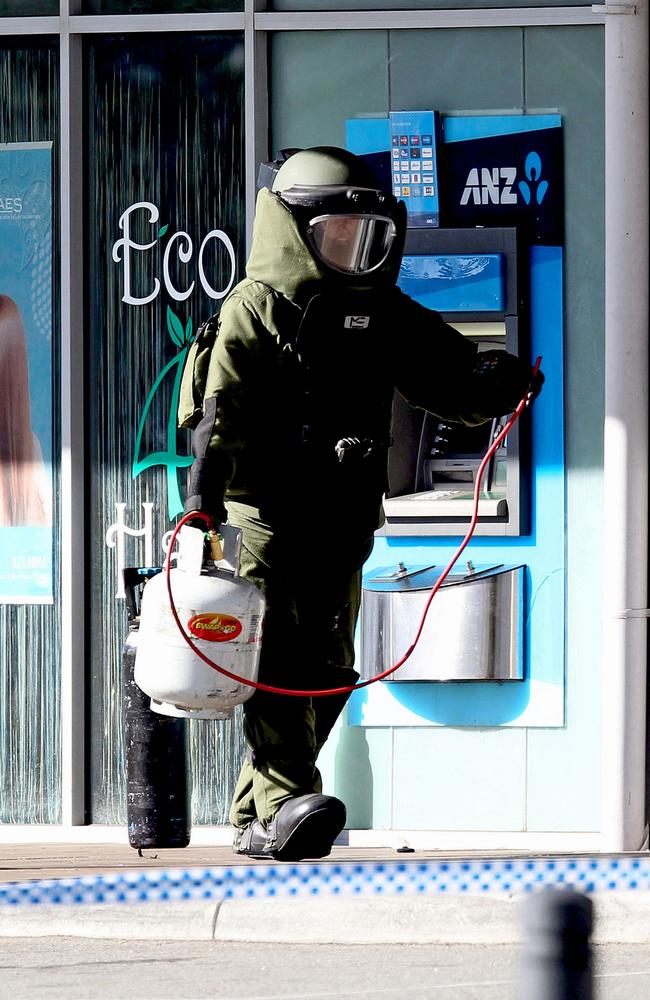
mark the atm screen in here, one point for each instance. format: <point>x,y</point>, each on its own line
<point>455,282</point>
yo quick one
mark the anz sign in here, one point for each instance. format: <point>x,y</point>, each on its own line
<point>498,185</point>
<point>490,185</point>
<point>505,179</point>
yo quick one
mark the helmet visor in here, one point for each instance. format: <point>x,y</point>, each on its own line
<point>353,244</point>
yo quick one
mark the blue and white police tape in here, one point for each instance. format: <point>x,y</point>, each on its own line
<point>408,878</point>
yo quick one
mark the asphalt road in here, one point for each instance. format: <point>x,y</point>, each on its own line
<point>87,968</point>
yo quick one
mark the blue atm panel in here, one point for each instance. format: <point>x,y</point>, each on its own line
<point>455,282</point>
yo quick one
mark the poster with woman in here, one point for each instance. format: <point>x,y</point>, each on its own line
<point>26,373</point>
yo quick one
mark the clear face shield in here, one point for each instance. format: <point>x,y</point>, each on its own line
<point>352,244</point>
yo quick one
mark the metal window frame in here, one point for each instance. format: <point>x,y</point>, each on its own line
<point>73,587</point>
<point>71,27</point>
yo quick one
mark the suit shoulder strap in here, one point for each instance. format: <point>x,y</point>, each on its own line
<point>195,372</point>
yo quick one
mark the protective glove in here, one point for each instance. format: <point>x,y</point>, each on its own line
<point>219,515</point>
<point>212,468</point>
<point>500,380</point>
<point>205,493</point>
<point>198,522</point>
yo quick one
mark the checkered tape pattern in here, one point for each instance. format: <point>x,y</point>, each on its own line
<point>408,878</point>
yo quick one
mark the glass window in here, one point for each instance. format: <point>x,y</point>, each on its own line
<point>28,8</point>
<point>312,5</point>
<point>30,662</point>
<point>166,239</point>
<point>161,6</point>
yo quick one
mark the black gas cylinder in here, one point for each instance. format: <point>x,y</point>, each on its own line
<point>156,749</point>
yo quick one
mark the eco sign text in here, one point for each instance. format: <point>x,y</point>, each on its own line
<point>124,247</point>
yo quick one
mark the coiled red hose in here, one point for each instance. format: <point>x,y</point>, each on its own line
<point>308,693</point>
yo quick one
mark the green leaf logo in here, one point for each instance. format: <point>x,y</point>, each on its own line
<point>169,458</point>
<point>175,327</point>
<point>163,230</point>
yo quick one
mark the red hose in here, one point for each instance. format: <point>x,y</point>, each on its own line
<point>523,403</point>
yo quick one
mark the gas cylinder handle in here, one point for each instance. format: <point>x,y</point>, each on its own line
<point>231,546</point>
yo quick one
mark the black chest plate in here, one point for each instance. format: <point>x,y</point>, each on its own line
<point>344,365</point>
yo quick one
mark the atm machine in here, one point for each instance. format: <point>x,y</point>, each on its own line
<point>492,267</point>
<point>475,279</point>
<point>474,631</point>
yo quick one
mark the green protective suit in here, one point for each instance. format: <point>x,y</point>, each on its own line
<point>291,407</point>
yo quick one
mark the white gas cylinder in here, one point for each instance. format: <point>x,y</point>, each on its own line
<point>223,616</point>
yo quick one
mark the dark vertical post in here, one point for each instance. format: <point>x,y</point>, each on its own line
<point>158,808</point>
<point>556,962</point>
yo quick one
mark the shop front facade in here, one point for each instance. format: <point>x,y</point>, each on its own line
<point>129,146</point>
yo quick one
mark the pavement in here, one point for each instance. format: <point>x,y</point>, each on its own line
<point>356,895</point>
<point>20,862</point>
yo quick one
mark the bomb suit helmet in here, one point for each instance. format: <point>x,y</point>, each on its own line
<point>353,227</point>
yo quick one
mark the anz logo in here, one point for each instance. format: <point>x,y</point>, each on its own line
<point>497,185</point>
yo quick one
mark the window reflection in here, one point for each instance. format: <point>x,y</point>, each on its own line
<point>30,663</point>
<point>165,175</point>
<point>161,6</point>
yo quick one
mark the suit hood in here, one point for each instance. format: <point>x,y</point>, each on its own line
<point>281,258</point>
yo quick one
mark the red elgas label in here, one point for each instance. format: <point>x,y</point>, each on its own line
<point>214,626</point>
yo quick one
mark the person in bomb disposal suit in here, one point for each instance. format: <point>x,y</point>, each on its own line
<point>289,392</point>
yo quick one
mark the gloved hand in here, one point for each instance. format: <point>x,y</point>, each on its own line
<point>501,380</point>
<point>197,522</point>
<point>206,488</point>
<point>219,514</point>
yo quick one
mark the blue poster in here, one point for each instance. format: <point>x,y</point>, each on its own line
<point>26,373</point>
<point>414,165</point>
